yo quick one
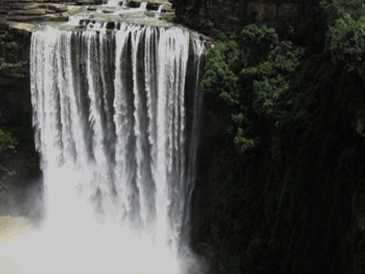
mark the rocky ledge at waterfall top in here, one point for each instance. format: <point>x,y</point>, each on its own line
<point>28,14</point>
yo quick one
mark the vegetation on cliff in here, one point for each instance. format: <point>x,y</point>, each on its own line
<point>285,148</point>
<point>251,75</point>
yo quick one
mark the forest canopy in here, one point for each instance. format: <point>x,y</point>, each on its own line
<point>286,119</point>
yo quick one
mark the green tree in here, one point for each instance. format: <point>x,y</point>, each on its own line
<point>7,141</point>
<point>250,74</point>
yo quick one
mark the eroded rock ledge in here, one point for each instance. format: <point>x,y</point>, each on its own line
<point>39,10</point>
<point>60,10</point>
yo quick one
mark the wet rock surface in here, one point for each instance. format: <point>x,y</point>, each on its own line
<point>26,10</point>
<point>61,10</point>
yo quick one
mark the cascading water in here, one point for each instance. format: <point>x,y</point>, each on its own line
<point>160,10</point>
<point>116,116</point>
<point>114,3</point>
<point>143,5</point>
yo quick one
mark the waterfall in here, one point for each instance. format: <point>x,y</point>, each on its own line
<point>116,118</point>
<point>114,3</point>
<point>143,5</point>
<point>160,10</point>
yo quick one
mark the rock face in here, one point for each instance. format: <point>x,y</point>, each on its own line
<point>152,4</point>
<point>228,15</point>
<point>58,10</point>
<point>262,11</point>
<point>38,10</point>
<point>18,168</point>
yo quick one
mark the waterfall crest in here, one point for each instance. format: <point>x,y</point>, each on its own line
<point>116,115</point>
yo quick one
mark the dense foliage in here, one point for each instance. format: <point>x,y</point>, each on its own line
<point>285,147</point>
<point>251,74</point>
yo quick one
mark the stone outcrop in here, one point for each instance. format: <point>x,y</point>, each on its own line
<point>229,15</point>
<point>152,4</point>
<point>59,10</point>
<point>269,11</point>
<point>38,10</point>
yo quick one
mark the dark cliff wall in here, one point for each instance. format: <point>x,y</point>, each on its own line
<point>294,203</point>
<point>210,16</point>
<point>19,163</point>
<point>296,208</point>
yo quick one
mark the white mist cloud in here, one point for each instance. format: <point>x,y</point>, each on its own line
<point>99,249</point>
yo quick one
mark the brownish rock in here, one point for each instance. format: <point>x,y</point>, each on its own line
<point>29,18</point>
<point>29,12</point>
